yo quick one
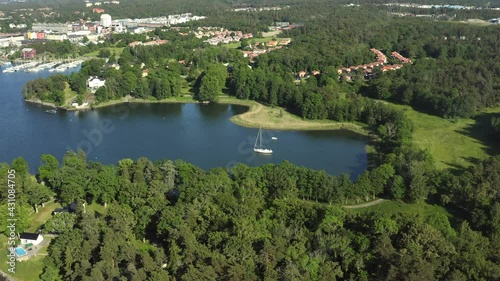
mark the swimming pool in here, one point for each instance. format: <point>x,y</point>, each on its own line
<point>20,252</point>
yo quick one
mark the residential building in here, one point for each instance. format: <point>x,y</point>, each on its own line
<point>272,43</point>
<point>285,41</point>
<point>400,57</point>
<point>31,238</point>
<point>105,20</point>
<point>94,83</point>
<point>54,27</point>
<point>28,53</point>
<point>57,37</point>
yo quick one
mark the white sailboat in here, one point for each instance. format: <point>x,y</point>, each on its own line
<point>258,148</point>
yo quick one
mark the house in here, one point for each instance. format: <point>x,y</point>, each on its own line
<point>315,72</point>
<point>400,57</point>
<point>28,53</point>
<point>145,73</point>
<point>302,74</point>
<point>94,83</point>
<point>272,43</point>
<point>68,209</point>
<point>285,41</point>
<point>31,238</point>
<point>135,43</point>
<point>97,10</point>
<point>391,67</point>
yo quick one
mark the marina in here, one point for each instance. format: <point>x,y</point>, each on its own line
<point>36,66</point>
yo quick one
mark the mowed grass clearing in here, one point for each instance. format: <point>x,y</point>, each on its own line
<point>277,118</point>
<point>116,50</point>
<point>452,143</point>
<point>43,215</point>
<point>391,207</point>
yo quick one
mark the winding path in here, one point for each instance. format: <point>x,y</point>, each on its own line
<point>364,205</point>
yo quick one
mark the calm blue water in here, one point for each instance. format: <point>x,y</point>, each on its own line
<point>200,134</point>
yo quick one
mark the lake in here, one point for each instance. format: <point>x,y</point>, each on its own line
<point>196,133</point>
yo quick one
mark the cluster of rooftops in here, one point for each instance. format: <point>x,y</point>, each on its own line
<point>381,62</point>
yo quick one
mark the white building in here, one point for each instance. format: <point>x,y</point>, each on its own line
<point>57,37</point>
<point>105,20</point>
<point>117,27</point>
<point>95,83</point>
<point>33,238</point>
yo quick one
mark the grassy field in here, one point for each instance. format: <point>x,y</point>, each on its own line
<point>271,33</point>
<point>116,50</point>
<point>69,95</point>
<point>392,207</point>
<point>94,207</point>
<point>42,216</point>
<point>278,119</point>
<point>453,144</point>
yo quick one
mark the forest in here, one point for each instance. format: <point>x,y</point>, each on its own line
<point>170,220</point>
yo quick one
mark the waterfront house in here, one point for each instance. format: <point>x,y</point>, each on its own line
<point>28,53</point>
<point>94,83</point>
<point>31,238</point>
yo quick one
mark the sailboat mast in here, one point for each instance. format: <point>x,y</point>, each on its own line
<point>256,139</point>
<point>260,137</point>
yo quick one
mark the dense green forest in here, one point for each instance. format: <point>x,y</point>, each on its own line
<point>173,221</point>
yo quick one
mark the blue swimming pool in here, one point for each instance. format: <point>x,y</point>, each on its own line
<point>20,252</point>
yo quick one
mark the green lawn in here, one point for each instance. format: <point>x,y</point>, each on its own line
<point>452,143</point>
<point>69,95</point>
<point>44,213</point>
<point>94,207</point>
<point>392,207</point>
<point>117,50</point>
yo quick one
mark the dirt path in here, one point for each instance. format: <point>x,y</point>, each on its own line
<point>364,205</point>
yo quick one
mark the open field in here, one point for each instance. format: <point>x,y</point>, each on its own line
<point>44,213</point>
<point>271,33</point>
<point>453,144</point>
<point>390,207</point>
<point>118,51</point>
<point>94,207</point>
<point>69,95</point>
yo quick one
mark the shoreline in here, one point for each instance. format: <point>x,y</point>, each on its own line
<point>257,115</point>
<point>277,118</point>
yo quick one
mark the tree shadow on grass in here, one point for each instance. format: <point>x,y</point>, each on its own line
<point>483,132</point>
